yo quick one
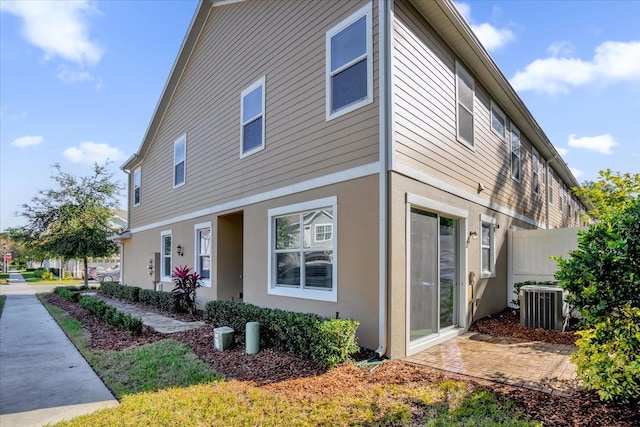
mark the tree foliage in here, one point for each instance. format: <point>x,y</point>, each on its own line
<point>603,279</point>
<point>73,220</point>
<point>603,273</point>
<point>611,193</point>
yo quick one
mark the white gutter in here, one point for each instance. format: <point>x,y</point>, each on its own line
<point>384,131</point>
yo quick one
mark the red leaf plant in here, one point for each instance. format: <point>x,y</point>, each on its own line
<point>185,285</point>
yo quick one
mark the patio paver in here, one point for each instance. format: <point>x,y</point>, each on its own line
<point>530,364</point>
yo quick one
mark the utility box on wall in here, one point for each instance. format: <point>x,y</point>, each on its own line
<point>153,268</point>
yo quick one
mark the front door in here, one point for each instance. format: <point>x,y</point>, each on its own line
<point>433,271</point>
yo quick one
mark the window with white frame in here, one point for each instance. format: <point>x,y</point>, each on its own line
<point>498,121</point>
<point>550,191</point>
<point>560,195</point>
<point>535,171</point>
<point>349,64</point>
<point>179,160</point>
<point>203,252</point>
<point>300,264</point>
<point>136,186</point>
<point>487,247</point>
<point>252,118</point>
<point>465,94</point>
<point>165,257</point>
<point>516,167</point>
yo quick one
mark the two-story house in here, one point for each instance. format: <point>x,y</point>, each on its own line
<point>359,158</point>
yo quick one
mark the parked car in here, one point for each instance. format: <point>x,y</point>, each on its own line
<point>110,274</point>
<point>93,272</point>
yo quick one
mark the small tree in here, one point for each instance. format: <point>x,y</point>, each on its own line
<point>185,284</point>
<point>613,192</point>
<point>73,221</point>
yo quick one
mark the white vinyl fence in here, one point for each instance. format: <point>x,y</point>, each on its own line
<point>530,254</point>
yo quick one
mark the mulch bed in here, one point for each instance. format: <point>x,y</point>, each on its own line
<point>301,378</point>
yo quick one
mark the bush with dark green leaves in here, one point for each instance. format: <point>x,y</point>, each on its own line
<point>123,292</point>
<point>602,277</point>
<point>603,273</point>
<point>111,315</point>
<point>67,293</point>
<point>327,341</point>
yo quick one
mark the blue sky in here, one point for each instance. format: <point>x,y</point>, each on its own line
<point>79,80</point>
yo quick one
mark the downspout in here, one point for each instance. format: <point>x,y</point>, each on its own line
<point>384,80</point>
<point>121,243</point>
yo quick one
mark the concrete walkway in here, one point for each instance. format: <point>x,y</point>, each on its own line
<point>162,324</point>
<point>530,364</point>
<point>43,378</point>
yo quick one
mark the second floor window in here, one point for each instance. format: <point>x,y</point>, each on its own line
<point>252,118</point>
<point>349,65</point>
<point>498,121</point>
<point>535,171</point>
<point>515,154</point>
<point>465,89</point>
<point>550,186</point>
<point>179,160</point>
<point>136,187</point>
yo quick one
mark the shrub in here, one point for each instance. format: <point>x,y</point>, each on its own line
<point>66,275</point>
<point>519,285</point>
<point>112,316</point>
<point>116,290</point>
<point>44,274</point>
<point>185,285</point>
<point>603,274</point>
<point>164,301</point>
<point>608,356</point>
<point>68,293</point>
<point>603,278</point>
<point>327,341</point>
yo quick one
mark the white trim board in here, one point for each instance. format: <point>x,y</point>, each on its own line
<point>421,176</point>
<point>333,178</point>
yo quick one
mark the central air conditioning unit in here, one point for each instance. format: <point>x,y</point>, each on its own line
<point>541,307</point>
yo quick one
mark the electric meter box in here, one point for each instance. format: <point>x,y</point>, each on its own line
<point>223,338</point>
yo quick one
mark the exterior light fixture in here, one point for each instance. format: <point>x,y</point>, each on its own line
<point>180,251</point>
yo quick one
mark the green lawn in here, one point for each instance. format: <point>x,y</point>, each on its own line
<point>32,279</point>
<point>165,384</point>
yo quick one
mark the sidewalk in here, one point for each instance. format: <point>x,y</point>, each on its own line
<point>43,378</point>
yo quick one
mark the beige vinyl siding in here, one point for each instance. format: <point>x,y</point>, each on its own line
<point>425,121</point>
<point>240,43</point>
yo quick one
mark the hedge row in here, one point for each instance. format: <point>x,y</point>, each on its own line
<point>112,316</point>
<point>327,341</point>
<point>164,301</point>
<point>69,293</point>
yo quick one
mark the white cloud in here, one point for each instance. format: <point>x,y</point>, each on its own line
<point>562,48</point>
<point>70,77</point>
<point>92,152</point>
<point>59,28</point>
<point>491,37</point>
<point>577,173</point>
<point>26,141</point>
<point>612,62</point>
<point>601,144</point>
<point>562,151</point>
